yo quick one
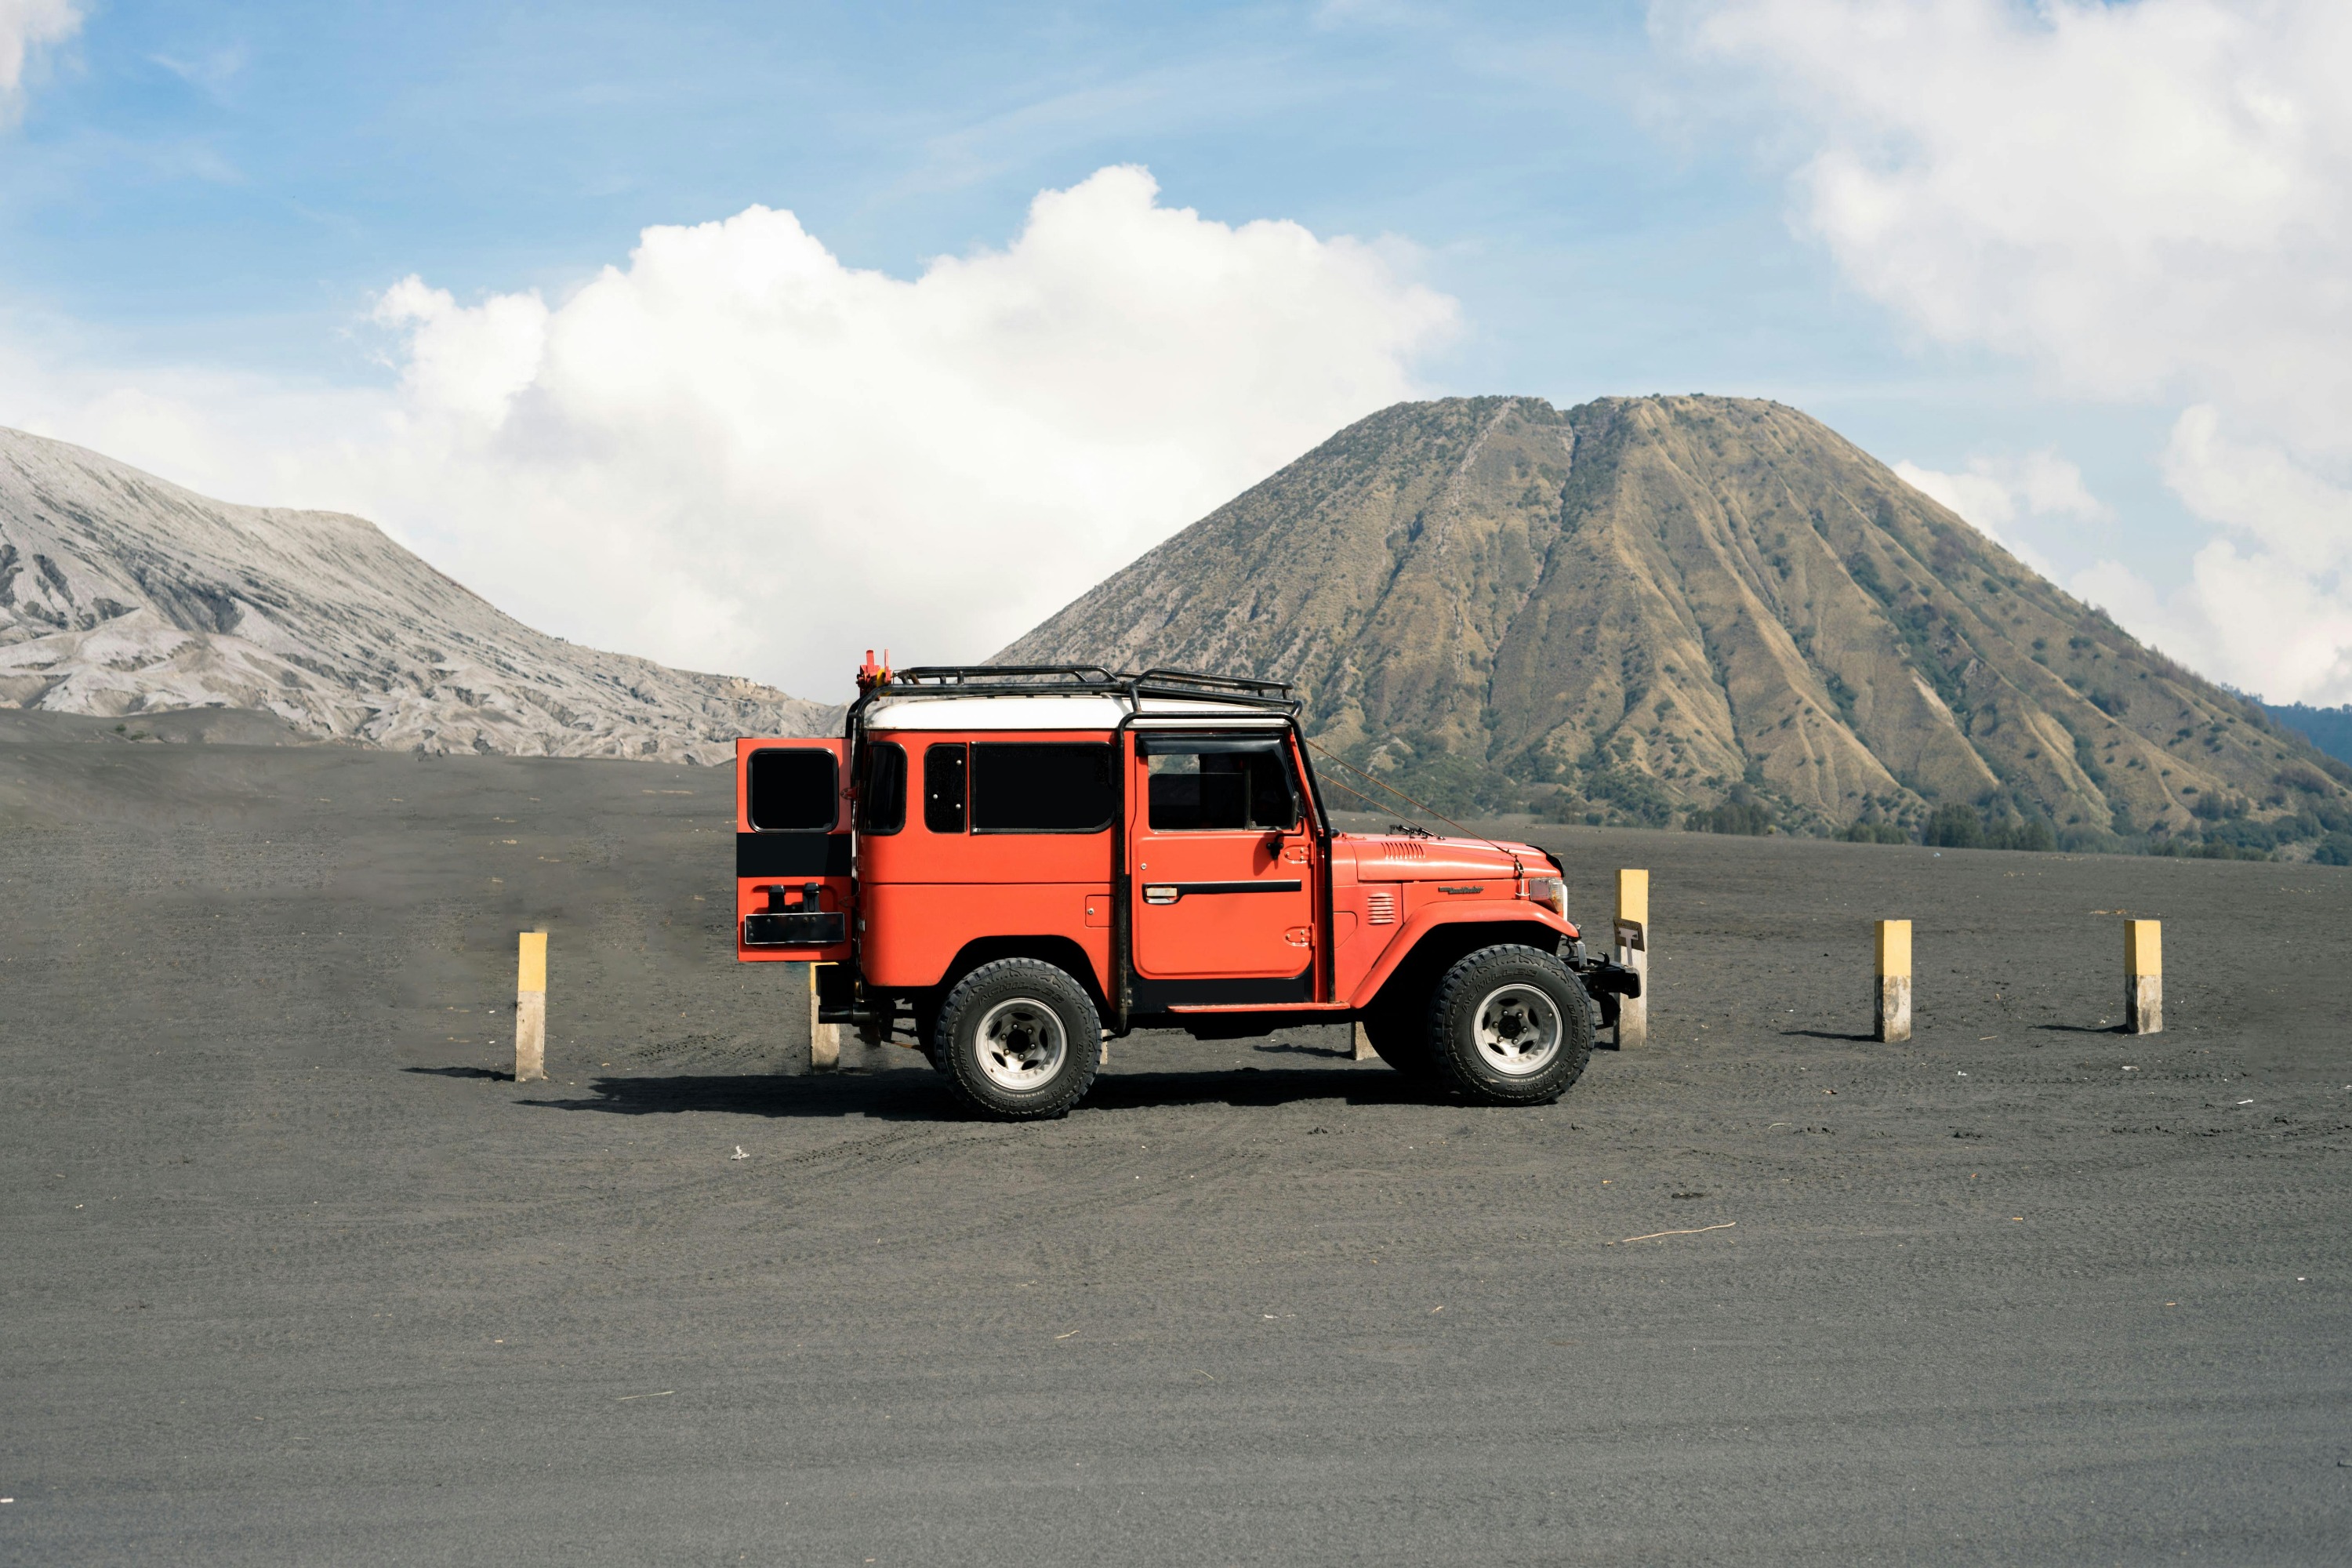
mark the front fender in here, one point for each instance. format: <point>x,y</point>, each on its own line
<point>1467,926</point>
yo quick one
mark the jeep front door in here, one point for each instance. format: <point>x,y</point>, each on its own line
<point>1221,861</point>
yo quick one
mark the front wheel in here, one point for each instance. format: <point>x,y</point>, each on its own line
<point>1019,1039</point>
<point>1510,1025</point>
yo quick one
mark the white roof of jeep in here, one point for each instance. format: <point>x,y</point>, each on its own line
<point>920,710</point>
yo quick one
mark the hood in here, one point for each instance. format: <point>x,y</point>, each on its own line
<point>1398,858</point>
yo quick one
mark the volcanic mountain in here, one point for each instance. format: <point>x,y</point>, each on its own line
<point>1643,608</point>
<point>121,594</point>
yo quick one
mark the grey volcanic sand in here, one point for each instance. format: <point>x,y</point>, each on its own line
<point>294,1274</point>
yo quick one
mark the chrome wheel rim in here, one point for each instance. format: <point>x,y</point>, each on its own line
<point>1519,1029</point>
<point>1021,1044</point>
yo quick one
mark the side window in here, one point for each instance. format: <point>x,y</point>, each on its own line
<point>793,791</point>
<point>1046,787</point>
<point>943,787</point>
<point>882,796</point>
<point>1208,784</point>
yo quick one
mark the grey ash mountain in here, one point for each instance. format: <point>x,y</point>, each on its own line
<point>121,594</point>
<point>1656,608</point>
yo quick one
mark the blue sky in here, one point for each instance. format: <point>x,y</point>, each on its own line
<point>226,192</point>
<point>237,182</point>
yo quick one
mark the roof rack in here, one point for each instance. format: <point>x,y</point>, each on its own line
<point>1079,680</point>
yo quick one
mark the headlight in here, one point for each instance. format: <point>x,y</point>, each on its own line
<point>1550,892</point>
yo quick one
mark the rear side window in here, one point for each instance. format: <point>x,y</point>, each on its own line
<point>943,787</point>
<point>882,795</point>
<point>795,791</point>
<point>1048,788</point>
<point>1207,783</point>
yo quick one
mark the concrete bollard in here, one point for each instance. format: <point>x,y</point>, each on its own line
<point>531,1007</point>
<point>824,1039</point>
<point>1893,1001</point>
<point>2144,977</point>
<point>1632,944</point>
<point>1363,1045</point>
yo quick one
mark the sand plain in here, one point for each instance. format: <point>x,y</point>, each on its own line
<point>293,1273</point>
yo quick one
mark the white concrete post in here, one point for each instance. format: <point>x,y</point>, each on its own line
<point>1363,1044</point>
<point>824,1039</point>
<point>531,1007</point>
<point>2144,976</point>
<point>1632,945</point>
<point>1892,1001</point>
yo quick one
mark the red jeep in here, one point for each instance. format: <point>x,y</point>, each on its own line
<point>1014,863</point>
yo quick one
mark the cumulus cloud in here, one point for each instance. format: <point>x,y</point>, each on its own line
<point>2271,595</point>
<point>26,25</point>
<point>2148,200</point>
<point>734,452</point>
<point>1996,491</point>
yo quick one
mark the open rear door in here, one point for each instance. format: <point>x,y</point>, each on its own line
<point>793,887</point>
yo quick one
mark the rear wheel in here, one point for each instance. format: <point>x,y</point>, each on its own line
<point>1019,1039</point>
<point>1510,1025</point>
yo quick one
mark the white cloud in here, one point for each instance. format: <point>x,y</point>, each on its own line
<point>210,72</point>
<point>25,25</point>
<point>1997,492</point>
<point>2148,200</point>
<point>2259,489</point>
<point>467,363</point>
<point>736,453</point>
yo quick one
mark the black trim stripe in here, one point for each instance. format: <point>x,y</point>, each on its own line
<point>1185,888</point>
<point>1158,995</point>
<point>792,855</point>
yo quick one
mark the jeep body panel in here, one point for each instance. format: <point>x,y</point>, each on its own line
<point>927,890</point>
<point>1390,892</point>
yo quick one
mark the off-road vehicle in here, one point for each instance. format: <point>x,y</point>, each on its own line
<point>1010,865</point>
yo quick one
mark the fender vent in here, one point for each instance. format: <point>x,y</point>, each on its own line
<point>1379,908</point>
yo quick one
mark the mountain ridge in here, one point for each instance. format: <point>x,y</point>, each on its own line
<point>122,594</point>
<point>1650,609</point>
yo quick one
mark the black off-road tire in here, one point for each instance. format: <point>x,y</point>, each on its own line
<point>1510,1025</point>
<point>1019,1039</point>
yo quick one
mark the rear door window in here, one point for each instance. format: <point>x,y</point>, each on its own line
<point>793,791</point>
<point>1042,788</point>
<point>882,797</point>
<point>943,787</point>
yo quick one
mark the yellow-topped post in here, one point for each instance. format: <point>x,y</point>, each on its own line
<point>2144,976</point>
<point>1632,950</point>
<point>1893,999</point>
<point>531,1007</point>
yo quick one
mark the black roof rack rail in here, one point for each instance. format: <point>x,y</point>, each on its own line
<point>1235,684</point>
<point>998,674</point>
